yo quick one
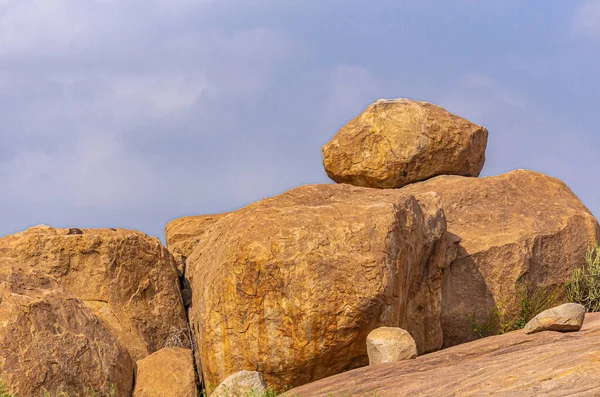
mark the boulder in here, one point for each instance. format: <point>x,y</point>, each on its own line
<point>50,342</point>
<point>128,279</point>
<point>389,344</point>
<point>400,141</point>
<point>168,372</point>
<point>521,232</point>
<point>183,233</point>
<point>242,384</point>
<point>563,318</point>
<point>292,285</point>
<point>513,364</point>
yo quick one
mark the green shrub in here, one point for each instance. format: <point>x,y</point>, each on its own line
<point>501,319</point>
<point>4,392</point>
<point>584,286</point>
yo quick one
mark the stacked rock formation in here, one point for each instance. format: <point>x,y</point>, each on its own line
<point>83,306</point>
<point>410,243</point>
<point>127,279</point>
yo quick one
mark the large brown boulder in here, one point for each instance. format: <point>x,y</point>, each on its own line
<point>50,342</point>
<point>514,364</point>
<point>128,279</point>
<point>522,232</point>
<point>292,285</point>
<point>397,142</point>
<point>168,372</point>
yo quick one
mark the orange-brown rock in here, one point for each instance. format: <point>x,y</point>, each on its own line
<point>183,233</point>
<point>292,285</point>
<point>168,372</point>
<point>520,230</point>
<point>128,279</point>
<point>51,342</point>
<point>400,141</point>
<point>514,364</point>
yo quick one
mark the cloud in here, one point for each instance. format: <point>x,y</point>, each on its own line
<point>480,97</point>
<point>131,113</point>
<point>586,20</point>
<point>524,134</point>
<point>111,106</point>
<point>350,89</point>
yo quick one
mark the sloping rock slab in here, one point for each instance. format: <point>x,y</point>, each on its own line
<point>513,364</point>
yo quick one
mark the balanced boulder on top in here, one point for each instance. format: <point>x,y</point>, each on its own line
<point>397,142</point>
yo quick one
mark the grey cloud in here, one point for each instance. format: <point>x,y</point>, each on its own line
<point>586,20</point>
<point>131,113</point>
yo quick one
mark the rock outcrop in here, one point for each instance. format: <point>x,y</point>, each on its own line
<point>168,372</point>
<point>183,234</point>
<point>397,142</point>
<point>389,344</point>
<point>519,230</point>
<point>564,318</point>
<point>51,342</point>
<point>242,384</point>
<point>513,364</point>
<point>292,285</point>
<point>128,279</point>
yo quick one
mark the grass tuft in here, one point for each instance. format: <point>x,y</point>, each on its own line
<point>500,320</point>
<point>584,286</point>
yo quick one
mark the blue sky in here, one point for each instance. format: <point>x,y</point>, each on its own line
<point>131,113</point>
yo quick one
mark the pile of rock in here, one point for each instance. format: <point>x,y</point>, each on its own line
<point>80,306</point>
<point>395,261</point>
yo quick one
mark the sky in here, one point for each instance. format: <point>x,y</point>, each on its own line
<point>130,113</point>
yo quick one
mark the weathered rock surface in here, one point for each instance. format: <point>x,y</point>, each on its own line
<point>183,234</point>
<point>242,384</point>
<point>51,342</point>
<point>518,229</point>
<point>513,364</point>
<point>168,372</point>
<point>563,318</point>
<point>292,285</point>
<point>389,344</point>
<point>401,141</point>
<point>128,279</point>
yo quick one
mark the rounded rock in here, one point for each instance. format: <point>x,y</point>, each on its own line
<point>390,344</point>
<point>396,142</point>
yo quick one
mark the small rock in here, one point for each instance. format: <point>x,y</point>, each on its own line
<point>241,384</point>
<point>388,344</point>
<point>563,318</point>
<point>167,372</point>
